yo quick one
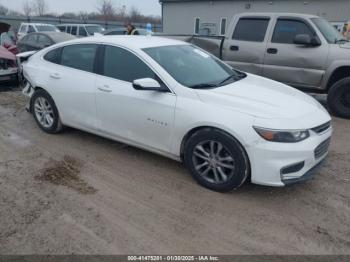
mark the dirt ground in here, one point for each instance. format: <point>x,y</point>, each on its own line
<point>77,193</point>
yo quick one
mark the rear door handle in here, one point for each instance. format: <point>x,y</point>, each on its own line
<point>105,89</point>
<point>234,48</point>
<point>272,51</point>
<point>55,76</point>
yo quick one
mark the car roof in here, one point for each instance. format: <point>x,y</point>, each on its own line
<point>278,14</point>
<point>35,24</point>
<point>56,36</point>
<point>78,25</point>
<point>135,42</point>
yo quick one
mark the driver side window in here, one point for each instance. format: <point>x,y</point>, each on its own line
<point>124,65</point>
<point>286,30</point>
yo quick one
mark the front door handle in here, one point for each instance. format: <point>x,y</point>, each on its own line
<point>272,51</point>
<point>105,89</point>
<point>234,48</point>
<point>55,76</point>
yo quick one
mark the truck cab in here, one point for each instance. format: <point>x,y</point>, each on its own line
<point>303,51</point>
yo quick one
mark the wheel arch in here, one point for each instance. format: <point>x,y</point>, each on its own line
<point>194,130</point>
<point>338,73</point>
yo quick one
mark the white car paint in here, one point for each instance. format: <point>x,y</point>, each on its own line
<point>158,122</point>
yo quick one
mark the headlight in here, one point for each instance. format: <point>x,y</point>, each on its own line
<point>283,136</point>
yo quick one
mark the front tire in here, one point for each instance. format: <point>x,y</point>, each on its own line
<point>216,160</point>
<point>45,112</point>
<point>339,98</point>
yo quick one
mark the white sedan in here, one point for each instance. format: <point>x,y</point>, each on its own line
<point>174,99</point>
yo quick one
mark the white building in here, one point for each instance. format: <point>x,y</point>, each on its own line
<point>213,17</point>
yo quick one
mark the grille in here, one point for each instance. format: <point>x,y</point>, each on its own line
<point>322,128</point>
<point>322,149</point>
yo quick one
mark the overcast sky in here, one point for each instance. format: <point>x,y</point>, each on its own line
<point>147,7</point>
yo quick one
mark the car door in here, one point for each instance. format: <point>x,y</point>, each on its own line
<point>71,83</point>
<point>296,65</point>
<point>246,49</point>
<point>142,117</point>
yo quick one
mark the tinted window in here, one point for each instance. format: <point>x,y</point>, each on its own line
<point>31,29</point>
<point>286,30</point>
<point>123,65</point>
<point>196,26</point>
<point>223,26</point>
<point>79,57</point>
<point>74,30</point>
<point>68,29</point>
<point>31,39</point>
<point>251,29</point>
<point>62,28</point>
<point>82,31</point>
<point>53,56</point>
<point>23,29</point>
<point>44,41</point>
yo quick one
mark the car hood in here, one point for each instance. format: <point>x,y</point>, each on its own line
<point>261,97</point>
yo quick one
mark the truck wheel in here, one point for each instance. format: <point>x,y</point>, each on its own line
<point>216,160</point>
<point>339,98</point>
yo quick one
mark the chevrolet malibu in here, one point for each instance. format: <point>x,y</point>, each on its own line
<point>174,99</point>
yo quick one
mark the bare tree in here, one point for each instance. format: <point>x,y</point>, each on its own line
<point>106,9</point>
<point>3,10</point>
<point>134,14</point>
<point>27,8</point>
<point>41,7</point>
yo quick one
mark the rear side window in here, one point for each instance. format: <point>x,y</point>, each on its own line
<point>251,29</point>
<point>31,29</point>
<point>80,57</point>
<point>68,29</point>
<point>74,30</point>
<point>286,30</point>
<point>123,65</point>
<point>82,31</point>
<point>54,56</point>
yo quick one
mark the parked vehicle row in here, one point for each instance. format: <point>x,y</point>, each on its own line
<point>38,41</point>
<point>27,28</point>
<point>176,100</point>
<point>81,30</point>
<point>303,51</point>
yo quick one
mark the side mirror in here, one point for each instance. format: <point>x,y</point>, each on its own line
<point>148,84</point>
<point>304,39</point>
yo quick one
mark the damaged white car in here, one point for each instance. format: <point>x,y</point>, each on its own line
<point>174,99</point>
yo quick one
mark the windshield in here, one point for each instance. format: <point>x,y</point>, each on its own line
<point>92,29</point>
<point>46,28</point>
<point>192,67</point>
<point>328,31</point>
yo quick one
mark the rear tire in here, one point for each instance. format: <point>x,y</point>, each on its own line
<point>339,98</point>
<point>45,112</point>
<point>216,160</point>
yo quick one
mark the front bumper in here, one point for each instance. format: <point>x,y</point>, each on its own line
<point>281,164</point>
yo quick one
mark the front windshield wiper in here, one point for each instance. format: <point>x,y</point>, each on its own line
<point>337,41</point>
<point>235,77</point>
<point>203,86</point>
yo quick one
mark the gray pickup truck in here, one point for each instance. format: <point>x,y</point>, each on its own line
<point>303,51</point>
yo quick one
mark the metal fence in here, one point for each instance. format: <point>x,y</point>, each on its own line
<point>15,22</point>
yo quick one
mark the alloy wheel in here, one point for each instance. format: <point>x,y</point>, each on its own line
<point>44,112</point>
<point>213,162</point>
